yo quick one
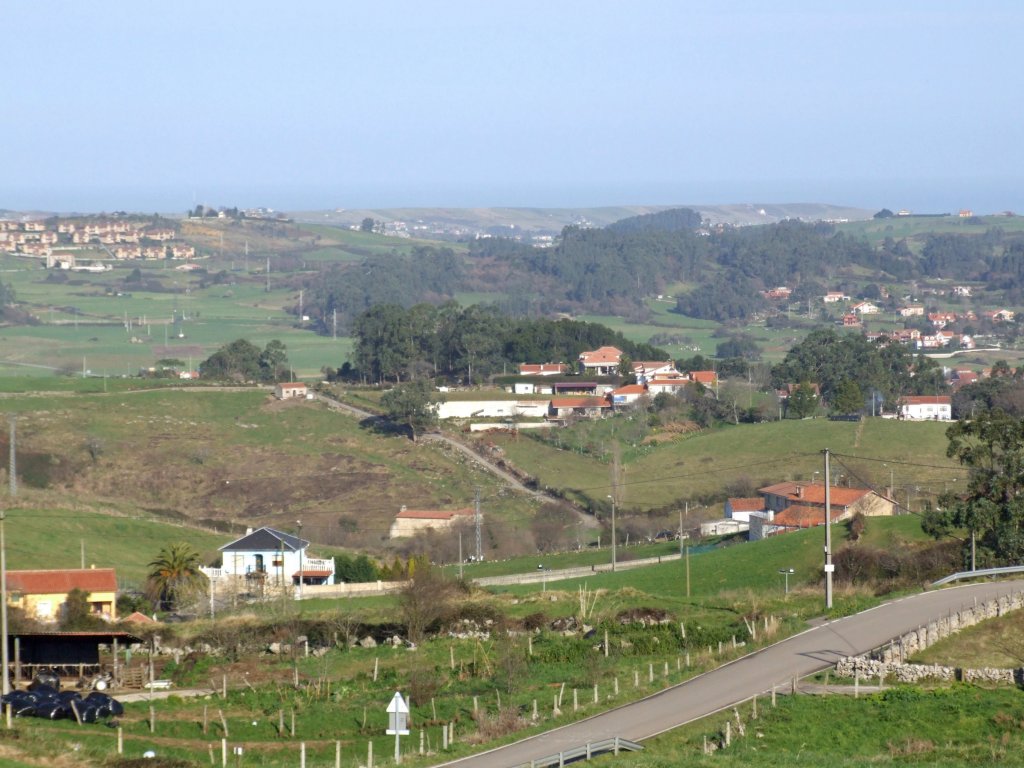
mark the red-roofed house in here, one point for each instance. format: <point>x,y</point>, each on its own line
<point>926,407</point>
<point>807,502</point>
<point>667,384</point>
<point>999,315</point>
<point>741,508</point>
<point>646,370</point>
<point>42,594</point>
<point>707,378</point>
<point>865,308</point>
<point>628,394</point>
<point>542,369</point>
<point>290,390</point>
<point>603,361</point>
<point>409,522</point>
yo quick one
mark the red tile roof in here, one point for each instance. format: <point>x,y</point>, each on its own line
<point>704,377</point>
<point>429,514</point>
<point>528,369</point>
<point>631,389</point>
<point>602,356</point>
<point>927,400</point>
<point>62,582</point>
<point>747,504</point>
<point>801,516</point>
<point>814,493</point>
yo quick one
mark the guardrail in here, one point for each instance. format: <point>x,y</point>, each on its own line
<point>975,574</point>
<point>585,752</point>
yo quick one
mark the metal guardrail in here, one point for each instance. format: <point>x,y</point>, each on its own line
<point>975,574</point>
<point>587,751</point>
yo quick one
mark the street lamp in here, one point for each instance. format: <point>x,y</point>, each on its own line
<point>787,572</point>
<point>299,523</point>
<point>613,533</point>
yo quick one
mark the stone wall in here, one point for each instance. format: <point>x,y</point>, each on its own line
<point>889,661</point>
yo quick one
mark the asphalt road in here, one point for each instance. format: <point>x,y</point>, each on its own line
<point>811,651</point>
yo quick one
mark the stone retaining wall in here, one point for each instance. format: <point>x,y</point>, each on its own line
<point>889,661</point>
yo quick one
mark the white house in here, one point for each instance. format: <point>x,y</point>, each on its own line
<point>926,407</point>
<point>274,557</point>
<point>289,390</point>
<point>743,508</point>
<point>603,361</point>
<point>492,409</point>
<point>865,308</point>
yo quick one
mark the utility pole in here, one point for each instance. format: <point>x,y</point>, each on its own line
<point>12,473</point>
<point>4,650</point>
<point>300,306</point>
<point>829,568</point>
<point>478,519</point>
<point>301,575</point>
<point>268,274</point>
<point>334,335</point>
<point>460,555</point>
<point>614,537</point>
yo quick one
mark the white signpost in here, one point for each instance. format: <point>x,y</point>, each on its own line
<point>398,722</point>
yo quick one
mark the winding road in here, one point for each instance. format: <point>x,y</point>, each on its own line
<point>811,651</point>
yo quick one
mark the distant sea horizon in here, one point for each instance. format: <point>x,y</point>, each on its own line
<point>982,196</point>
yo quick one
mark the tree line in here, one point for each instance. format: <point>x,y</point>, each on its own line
<point>469,344</point>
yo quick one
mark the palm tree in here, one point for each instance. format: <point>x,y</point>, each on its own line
<point>174,575</point>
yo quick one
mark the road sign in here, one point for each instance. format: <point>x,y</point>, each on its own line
<point>398,716</point>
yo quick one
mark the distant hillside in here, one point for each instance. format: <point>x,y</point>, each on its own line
<point>552,220</point>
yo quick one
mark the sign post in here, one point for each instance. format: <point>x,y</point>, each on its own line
<point>398,722</point>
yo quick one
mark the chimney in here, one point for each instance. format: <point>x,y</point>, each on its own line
<point>248,531</point>
<point>799,491</point>
<point>402,509</point>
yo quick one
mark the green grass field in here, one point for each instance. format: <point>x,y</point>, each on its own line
<point>690,465</point>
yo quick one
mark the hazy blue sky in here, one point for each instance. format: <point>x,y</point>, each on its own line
<point>151,105</point>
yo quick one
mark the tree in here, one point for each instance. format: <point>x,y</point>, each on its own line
<point>424,600</point>
<point>174,575</point>
<point>885,213</point>
<point>413,404</point>
<point>553,527</point>
<point>77,615</point>
<point>991,446</point>
<point>848,398</point>
<point>803,402</point>
<point>366,225</point>
<point>242,360</point>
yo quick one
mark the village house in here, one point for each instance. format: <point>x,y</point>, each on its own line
<point>294,390</point>
<point>542,369</point>
<point>707,378</point>
<point>669,384</point>
<point>913,310</point>
<point>603,361</point>
<point>409,522</point>
<point>627,395</point>
<point>42,594</point>
<point>782,292</point>
<point>269,556</point>
<point>960,290</point>
<point>646,370</point>
<point>941,319</point>
<point>742,508</point>
<point>999,315</point>
<point>794,505</point>
<point>834,296</point>
<point>865,308</point>
<point>926,408</point>
<point>587,407</point>
<point>851,321</point>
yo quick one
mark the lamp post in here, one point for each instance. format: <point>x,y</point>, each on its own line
<point>614,537</point>
<point>787,572</point>
<point>299,523</point>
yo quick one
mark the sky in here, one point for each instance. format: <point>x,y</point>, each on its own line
<point>323,104</point>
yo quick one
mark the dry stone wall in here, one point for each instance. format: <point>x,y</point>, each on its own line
<point>889,661</point>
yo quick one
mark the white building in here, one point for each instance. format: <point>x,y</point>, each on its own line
<point>926,407</point>
<point>274,557</point>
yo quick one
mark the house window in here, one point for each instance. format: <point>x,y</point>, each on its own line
<point>44,608</point>
<point>260,568</point>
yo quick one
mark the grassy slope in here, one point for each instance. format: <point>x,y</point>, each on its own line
<point>768,452</point>
<point>241,457</point>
